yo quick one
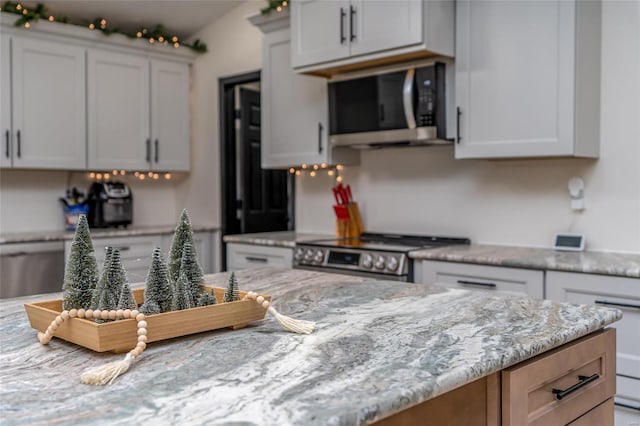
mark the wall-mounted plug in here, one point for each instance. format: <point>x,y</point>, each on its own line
<point>576,191</point>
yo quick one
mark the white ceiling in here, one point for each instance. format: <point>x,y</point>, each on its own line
<point>180,17</point>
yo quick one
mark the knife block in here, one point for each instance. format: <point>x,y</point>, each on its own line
<point>352,227</point>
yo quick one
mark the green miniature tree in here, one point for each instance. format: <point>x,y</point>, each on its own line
<point>207,299</point>
<point>231,293</point>
<point>183,234</point>
<point>126,300</point>
<point>113,280</point>
<point>150,307</point>
<point>104,278</point>
<point>158,288</point>
<point>81,272</point>
<point>182,297</point>
<point>191,268</point>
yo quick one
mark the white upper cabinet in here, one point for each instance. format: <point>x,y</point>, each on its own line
<point>119,130</point>
<point>327,35</point>
<point>527,78</point>
<point>294,107</point>
<point>48,104</point>
<point>5,100</point>
<point>320,31</point>
<point>170,115</point>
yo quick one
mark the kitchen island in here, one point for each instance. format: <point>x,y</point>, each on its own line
<point>380,348</point>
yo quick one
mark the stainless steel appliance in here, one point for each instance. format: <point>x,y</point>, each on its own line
<point>110,204</point>
<point>392,106</point>
<point>31,268</point>
<point>380,256</point>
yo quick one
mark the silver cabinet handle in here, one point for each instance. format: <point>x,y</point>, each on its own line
<point>621,305</point>
<point>256,259</point>
<point>458,114</point>
<point>477,283</point>
<point>320,128</point>
<point>7,136</point>
<point>407,98</point>
<point>157,146</point>
<point>629,406</point>
<point>342,16</point>
<point>19,141</point>
<point>352,15</point>
<point>123,248</point>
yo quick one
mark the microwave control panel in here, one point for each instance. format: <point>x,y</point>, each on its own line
<point>430,90</point>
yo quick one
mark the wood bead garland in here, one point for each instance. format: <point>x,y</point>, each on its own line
<point>106,373</point>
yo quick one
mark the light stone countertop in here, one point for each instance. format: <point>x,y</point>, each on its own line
<point>275,239</point>
<point>380,347</point>
<point>130,231</point>
<point>590,262</point>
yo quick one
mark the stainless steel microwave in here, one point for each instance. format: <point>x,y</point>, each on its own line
<point>400,107</point>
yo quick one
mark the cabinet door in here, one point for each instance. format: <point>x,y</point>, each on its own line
<point>514,78</point>
<point>247,256</point>
<point>382,25</point>
<point>170,115</point>
<point>291,135</point>
<point>319,31</point>
<point>119,129</point>
<point>520,282</point>
<point>5,100</point>
<point>616,292</point>
<point>49,113</point>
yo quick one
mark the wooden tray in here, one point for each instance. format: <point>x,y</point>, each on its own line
<point>121,335</point>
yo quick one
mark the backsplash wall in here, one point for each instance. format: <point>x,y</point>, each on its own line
<point>512,202</point>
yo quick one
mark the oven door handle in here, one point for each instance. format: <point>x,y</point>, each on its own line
<point>407,98</point>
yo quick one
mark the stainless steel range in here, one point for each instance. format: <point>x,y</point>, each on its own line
<point>381,256</point>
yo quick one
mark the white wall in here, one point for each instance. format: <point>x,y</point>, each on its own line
<point>234,47</point>
<point>521,202</point>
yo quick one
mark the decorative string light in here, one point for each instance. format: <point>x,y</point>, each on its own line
<point>51,18</point>
<point>167,176</point>
<point>314,169</point>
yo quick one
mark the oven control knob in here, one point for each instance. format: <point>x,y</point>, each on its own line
<point>367,261</point>
<point>380,260</point>
<point>299,254</point>
<point>319,256</point>
<point>392,263</point>
<point>308,255</point>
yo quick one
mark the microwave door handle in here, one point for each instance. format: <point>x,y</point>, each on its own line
<point>407,98</point>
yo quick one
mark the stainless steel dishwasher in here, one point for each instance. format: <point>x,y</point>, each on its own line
<point>31,268</point>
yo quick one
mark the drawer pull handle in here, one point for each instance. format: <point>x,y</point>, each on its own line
<point>123,248</point>
<point>477,283</point>
<point>629,406</point>
<point>256,259</point>
<point>622,305</point>
<point>584,380</point>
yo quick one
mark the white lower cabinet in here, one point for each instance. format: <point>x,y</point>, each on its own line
<point>247,256</point>
<point>616,292</point>
<point>520,282</point>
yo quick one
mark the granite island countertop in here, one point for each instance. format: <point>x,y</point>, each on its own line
<point>275,239</point>
<point>379,347</point>
<point>590,262</point>
<point>129,231</point>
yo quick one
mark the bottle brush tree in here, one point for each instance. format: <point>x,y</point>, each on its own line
<point>157,287</point>
<point>81,272</point>
<point>114,278</point>
<point>126,300</point>
<point>190,266</point>
<point>182,297</point>
<point>183,234</point>
<point>97,292</point>
<point>207,299</point>
<point>231,293</point>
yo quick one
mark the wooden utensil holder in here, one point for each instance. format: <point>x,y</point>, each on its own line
<point>353,227</point>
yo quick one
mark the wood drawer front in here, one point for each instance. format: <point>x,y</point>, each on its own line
<point>599,416</point>
<point>520,282</point>
<point>600,289</point>
<point>527,397</point>
<point>246,256</point>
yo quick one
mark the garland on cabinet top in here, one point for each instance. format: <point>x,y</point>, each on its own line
<point>157,34</point>
<point>277,5</point>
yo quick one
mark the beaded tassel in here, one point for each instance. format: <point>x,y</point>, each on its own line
<point>294,325</point>
<point>107,373</point>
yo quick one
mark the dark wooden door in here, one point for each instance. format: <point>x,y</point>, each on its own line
<point>264,192</point>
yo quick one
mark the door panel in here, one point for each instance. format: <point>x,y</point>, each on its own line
<point>119,133</point>
<point>262,190</point>
<point>49,99</point>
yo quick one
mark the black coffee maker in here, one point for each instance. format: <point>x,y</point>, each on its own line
<point>110,204</point>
